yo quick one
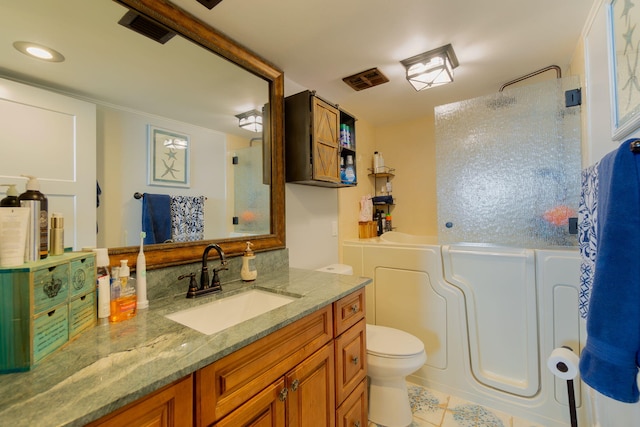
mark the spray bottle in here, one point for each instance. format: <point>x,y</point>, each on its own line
<point>141,275</point>
<point>38,229</point>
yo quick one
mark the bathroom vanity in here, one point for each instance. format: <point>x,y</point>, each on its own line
<point>269,367</point>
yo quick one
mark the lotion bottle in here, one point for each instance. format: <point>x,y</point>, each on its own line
<point>248,273</point>
<point>11,201</point>
<point>103,284</point>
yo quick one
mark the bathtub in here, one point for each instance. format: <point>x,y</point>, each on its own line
<point>489,317</point>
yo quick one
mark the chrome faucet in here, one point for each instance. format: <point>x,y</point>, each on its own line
<point>205,287</point>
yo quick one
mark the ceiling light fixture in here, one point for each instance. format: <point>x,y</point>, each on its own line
<point>38,51</point>
<point>250,120</point>
<point>432,68</point>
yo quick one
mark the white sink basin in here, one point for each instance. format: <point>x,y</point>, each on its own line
<point>226,312</point>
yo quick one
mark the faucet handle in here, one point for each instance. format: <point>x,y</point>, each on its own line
<point>193,285</point>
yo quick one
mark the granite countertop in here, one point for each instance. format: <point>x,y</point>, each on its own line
<point>114,364</point>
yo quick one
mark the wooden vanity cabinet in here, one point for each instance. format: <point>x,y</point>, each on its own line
<point>313,147</point>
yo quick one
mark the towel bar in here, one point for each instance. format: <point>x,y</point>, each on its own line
<point>635,146</point>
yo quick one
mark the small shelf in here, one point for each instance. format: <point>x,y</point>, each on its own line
<point>386,172</point>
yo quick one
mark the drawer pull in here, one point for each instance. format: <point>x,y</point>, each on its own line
<point>283,394</point>
<point>354,308</point>
<point>355,360</point>
<point>294,385</point>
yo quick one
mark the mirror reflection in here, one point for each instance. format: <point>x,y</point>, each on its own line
<point>166,116</point>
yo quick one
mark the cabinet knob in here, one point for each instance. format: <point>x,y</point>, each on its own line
<point>354,308</point>
<point>355,360</point>
<point>294,385</point>
<point>356,424</point>
<point>283,394</point>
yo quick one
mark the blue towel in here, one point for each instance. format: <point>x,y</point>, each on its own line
<point>609,361</point>
<point>156,218</point>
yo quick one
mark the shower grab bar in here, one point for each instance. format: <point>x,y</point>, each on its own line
<point>535,73</point>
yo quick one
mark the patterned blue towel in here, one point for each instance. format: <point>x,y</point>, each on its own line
<point>609,361</point>
<point>587,234</point>
<point>187,218</point>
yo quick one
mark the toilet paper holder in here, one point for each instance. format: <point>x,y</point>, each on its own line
<point>563,363</point>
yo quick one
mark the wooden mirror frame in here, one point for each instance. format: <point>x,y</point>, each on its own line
<point>188,26</point>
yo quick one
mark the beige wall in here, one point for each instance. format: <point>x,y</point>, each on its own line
<point>409,148</point>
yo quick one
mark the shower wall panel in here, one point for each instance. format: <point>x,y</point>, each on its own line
<point>508,167</point>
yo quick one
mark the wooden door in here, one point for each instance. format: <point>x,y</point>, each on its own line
<point>325,144</point>
<point>311,397</point>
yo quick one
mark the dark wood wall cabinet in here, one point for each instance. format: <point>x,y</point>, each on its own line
<point>320,142</point>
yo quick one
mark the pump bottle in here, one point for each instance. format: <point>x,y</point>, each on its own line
<point>248,272</point>
<point>11,201</point>
<point>38,229</point>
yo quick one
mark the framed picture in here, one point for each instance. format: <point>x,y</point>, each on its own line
<point>624,66</point>
<point>168,154</point>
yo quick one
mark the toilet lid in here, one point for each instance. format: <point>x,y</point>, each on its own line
<point>390,342</point>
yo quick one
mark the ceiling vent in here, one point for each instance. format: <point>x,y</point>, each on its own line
<point>209,4</point>
<point>146,27</point>
<point>366,79</point>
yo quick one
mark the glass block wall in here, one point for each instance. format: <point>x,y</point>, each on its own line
<point>252,205</point>
<point>508,167</point>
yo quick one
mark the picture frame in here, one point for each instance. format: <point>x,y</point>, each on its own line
<point>624,67</point>
<point>168,155</point>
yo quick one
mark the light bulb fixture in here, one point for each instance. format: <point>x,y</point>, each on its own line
<point>250,120</point>
<point>432,68</point>
<point>38,51</point>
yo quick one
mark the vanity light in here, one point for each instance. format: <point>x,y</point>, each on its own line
<point>250,120</point>
<point>38,51</point>
<point>432,68</point>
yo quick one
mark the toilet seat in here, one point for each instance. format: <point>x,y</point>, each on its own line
<point>392,343</point>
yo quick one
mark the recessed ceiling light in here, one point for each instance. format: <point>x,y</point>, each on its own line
<point>38,51</point>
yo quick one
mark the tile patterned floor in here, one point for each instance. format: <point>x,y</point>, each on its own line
<point>431,408</point>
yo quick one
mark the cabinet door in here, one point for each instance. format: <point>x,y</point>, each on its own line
<point>325,142</point>
<point>311,397</point>
<point>266,409</point>
<point>171,406</point>
<point>354,411</point>
<point>351,356</point>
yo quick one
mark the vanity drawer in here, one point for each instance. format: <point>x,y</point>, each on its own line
<point>50,287</point>
<point>83,275</point>
<point>50,331</point>
<point>351,360</point>
<point>354,410</point>
<point>348,311</point>
<point>82,314</point>
<point>227,383</point>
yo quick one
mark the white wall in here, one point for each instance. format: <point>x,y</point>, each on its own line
<point>122,141</point>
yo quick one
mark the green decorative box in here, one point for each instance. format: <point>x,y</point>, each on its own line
<point>44,304</point>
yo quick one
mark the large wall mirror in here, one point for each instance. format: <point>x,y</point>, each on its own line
<point>190,89</point>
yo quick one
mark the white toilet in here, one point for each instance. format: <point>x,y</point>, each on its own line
<point>392,354</point>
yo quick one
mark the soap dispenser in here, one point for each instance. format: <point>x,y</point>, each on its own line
<point>248,273</point>
<point>11,201</point>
